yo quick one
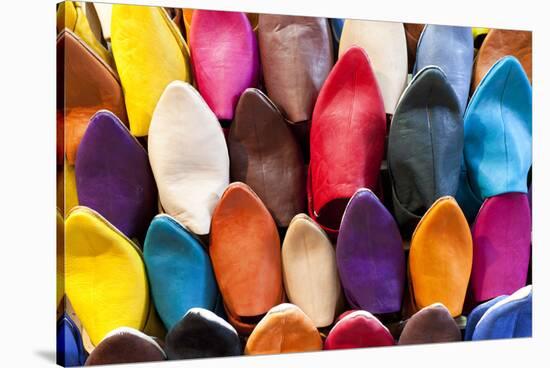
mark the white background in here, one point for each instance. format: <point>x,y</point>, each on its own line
<point>27,181</point>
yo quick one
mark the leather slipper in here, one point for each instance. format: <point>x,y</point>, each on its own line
<point>113,175</point>
<point>265,155</point>
<point>432,324</point>
<point>105,277</point>
<point>225,58</point>
<point>440,258</point>
<point>149,52</point>
<point>476,314</point>
<point>358,329</point>
<point>309,271</point>
<point>424,146</point>
<point>498,131</point>
<point>348,121</point>
<point>85,84</point>
<point>297,56</point>
<point>202,334</point>
<point>126,345</point>
<point>370,255</point>
<point>508,318</point>
<point>502,246</point>
<point>69,349</point>
<point>451,49</point>
<point>246,256</point>
<point>179,270</point>
<point>499,43</point>
<point>188,155</point>
<point>284,329</point>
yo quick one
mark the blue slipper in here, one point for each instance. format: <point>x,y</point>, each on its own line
<point>451,49</point>
<point>70,350</point>
<point>179,270</point>
<point>508,318</point>
<point>476,314</point>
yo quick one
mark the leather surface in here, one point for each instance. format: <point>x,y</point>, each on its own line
<point>424,147</point>
<point>451,49</point>
<point>502,246</point>
<point>105,275</point>
<point>499,43</point>
<point>412,34</point>
<point>59,133</point>
<point>126,345</point>
<point>386,45</point>
<point>440,257</point>
<point>348,121</point>
<point>69,349</point>
<point>246,256</point>
<point>202,334</point>
<point>188,17</point>
<point>476,314</point>
<point>71,195</point>
<point>358,329</point>
<point>265,155</point>
<point>297,56</point>
<point>149,52</point>
<point>370,256</point>
<point>310,275</point>
<point>104,14</point>
<point>336,26</point>
<point>225,58</point>
<point>510,317</point>
<point>179,270</point>
<point>71,15</point>
<point>59,257</point>
<point>497,131</point>
<point>85,84</point>
<point>432,324</point>
<point>93,20</point>
<point>468,201</point>
<point>284,329</point>
<point>113,175</point>
<point>188,155</point>
<point>66,196</point>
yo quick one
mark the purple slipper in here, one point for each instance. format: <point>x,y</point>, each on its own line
<point>370,256</point>
<point>113,175</point>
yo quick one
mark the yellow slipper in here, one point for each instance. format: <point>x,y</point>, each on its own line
<point>150,52</point>
<point>106,279</point>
